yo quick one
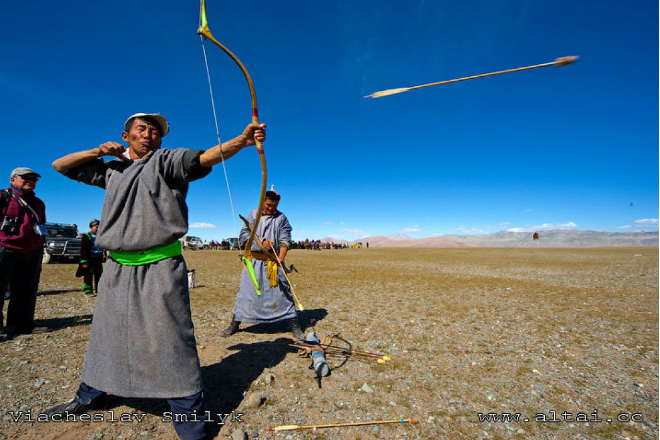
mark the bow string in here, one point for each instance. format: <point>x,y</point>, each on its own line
<point>205,32</point>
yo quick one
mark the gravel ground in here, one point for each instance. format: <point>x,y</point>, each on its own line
<point>567,338</point>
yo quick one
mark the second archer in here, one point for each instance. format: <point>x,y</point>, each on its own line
<point>274,301</point>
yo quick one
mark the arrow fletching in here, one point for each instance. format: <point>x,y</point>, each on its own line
<point>387,92</point>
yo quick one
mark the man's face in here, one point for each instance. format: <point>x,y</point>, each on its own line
<point>142,138</point>
<point>25,183</point>
<point>94,229</point>
<point>270,206</point>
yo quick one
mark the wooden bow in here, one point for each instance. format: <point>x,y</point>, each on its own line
<point>204,31</point>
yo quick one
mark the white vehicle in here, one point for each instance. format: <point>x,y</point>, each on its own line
<point>190,242</point>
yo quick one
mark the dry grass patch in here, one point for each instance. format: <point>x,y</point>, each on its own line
<point>469,331</point>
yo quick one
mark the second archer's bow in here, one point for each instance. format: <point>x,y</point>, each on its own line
<point>204,31</point>
<point>272,256</point>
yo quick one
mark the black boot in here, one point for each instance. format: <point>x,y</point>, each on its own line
<point>231,328</point>
<point>295,329</point>
<point>76,407</point>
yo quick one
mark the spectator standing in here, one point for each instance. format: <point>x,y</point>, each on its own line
<point>78,234</point>
<point>22,233</point>
<point>91,260</point>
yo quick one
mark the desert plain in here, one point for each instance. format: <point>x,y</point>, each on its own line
<point>563,343</point>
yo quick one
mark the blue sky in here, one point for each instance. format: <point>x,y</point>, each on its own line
<point>574,147</point>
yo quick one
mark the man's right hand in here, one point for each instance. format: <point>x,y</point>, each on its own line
<point>112,149</point>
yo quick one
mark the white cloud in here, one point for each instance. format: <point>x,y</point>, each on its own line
<point>415,228</point>
<point>545,227</point>
<point>202,225</point>
<point>567,225</point>
<point>646,223</point>
<point>465,230</point>
<point>530,228</point>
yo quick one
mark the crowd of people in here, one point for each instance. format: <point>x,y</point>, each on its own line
<point>315,245</point>
<point>225,245</point>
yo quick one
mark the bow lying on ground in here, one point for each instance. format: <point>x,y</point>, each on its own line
<point>559,62</point>
<point>325,345</point>
<point>204,31</point>
<point>272,256</point>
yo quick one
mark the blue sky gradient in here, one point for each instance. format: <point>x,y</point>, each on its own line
<point>573,147</point>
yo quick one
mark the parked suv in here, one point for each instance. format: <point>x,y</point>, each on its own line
<point>61,242</point>
<point>193,243</point>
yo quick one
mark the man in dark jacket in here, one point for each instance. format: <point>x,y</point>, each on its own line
<point>91,260</point>
<point>21,249</point>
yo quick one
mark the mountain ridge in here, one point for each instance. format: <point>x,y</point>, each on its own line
<point>549,238</point>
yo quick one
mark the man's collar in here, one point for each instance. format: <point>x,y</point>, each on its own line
<point>21,193</point>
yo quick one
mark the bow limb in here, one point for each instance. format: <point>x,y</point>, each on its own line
<point>204,31</point>
<point>253,276</point>
<point>271,254</point>
<point>258,241</point>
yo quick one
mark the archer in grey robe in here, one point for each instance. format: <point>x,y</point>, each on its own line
<point>275,303</point>
<point>142,341</point>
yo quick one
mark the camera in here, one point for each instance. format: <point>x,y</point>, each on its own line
<point>10,225</point>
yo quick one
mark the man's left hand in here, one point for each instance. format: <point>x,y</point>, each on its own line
<point>254,131</point>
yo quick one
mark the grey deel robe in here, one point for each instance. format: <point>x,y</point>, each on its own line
<point>142,341</point>
<point>274,303</point>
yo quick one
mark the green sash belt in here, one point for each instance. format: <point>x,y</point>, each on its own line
<point>138,258</point>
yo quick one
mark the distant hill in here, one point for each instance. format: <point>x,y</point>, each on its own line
<point>557,238</point>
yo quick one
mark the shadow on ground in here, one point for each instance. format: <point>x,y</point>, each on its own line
<point>60,323</point>
<point>307,318</point>
<point>225,383</point>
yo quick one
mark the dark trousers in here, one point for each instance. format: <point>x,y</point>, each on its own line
<point>21,272</point>
<point>92,275</point>
<point>182,408</point>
